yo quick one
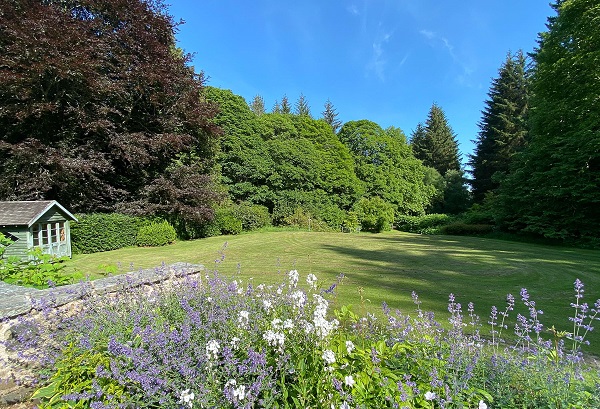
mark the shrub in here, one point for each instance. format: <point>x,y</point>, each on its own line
<point>252,216</point>
<point>304,220</point>
<point>227,222</point>
<point>104,231</point>
<point>156,234</point>
<point>374,214</point>
<point>427,224</point>
<point>464,229</point>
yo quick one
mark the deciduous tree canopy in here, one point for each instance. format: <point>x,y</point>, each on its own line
<point>95,102</point>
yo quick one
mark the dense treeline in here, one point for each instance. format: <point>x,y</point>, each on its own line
<point>537,164</point>
<point>100,110</point>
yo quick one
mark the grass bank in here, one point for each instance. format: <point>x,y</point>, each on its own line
<point>389,266</point>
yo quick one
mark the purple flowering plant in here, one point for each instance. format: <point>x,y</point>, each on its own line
<point>204,341</point>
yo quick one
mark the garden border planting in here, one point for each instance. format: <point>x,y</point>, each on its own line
<point>17,301</point>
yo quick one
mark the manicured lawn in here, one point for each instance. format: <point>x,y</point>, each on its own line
<point>390,266</point>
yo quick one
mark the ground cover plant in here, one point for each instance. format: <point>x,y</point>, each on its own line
<point>211,342</point>
<point>388,267</point>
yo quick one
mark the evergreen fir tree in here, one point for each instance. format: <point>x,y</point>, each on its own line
<point>553,188</point>
<point>331,116</point>
<point>418,143</point>
<point>503,127</point>
<point>285,105</point>
<point>438,148</point>
<point>301,107</point>
<point>276,108</point>
<point>258,105</point>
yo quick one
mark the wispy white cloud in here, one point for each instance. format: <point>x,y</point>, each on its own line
<point>353,9</point>
<point>466,69</point>
<point>430,35</point>
<point>378,61</point>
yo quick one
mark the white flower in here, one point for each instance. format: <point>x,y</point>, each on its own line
<point>350,346</point>
<point>345,405</point>
<point>430,395</point>
<point>239,392</point>
<point>276,323</point>
<point>186,398</point>
<point>275,339</point>
<point>268,305</point>
<point>293,277</point>
<point>482,405</point>
<point>234,342</point>
<point>328,356</point>
<point>349,381</point>
<point>212,349</point>
<point>288,324</point>
<point>243,318</point>
<point>311,279</point>
<point>299,298</point>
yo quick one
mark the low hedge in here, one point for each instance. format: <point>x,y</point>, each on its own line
<point>426,224</point>
<point>97,232</point>
<point>464,229</point>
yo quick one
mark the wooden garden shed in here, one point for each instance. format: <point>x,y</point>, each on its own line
<point>30,224</point>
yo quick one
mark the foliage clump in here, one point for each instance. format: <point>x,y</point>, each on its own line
<point>38,270</point>
<point>156,234</point>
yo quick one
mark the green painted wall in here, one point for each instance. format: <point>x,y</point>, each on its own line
<point>19,247</point>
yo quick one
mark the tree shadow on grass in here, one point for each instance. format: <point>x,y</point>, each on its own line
<point>483,271</point>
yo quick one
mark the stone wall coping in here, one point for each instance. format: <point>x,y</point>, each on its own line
<point>16,300</point>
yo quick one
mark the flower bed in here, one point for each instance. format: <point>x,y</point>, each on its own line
<point>208,342</point>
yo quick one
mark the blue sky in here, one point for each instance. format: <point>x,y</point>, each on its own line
<point>386,61</point>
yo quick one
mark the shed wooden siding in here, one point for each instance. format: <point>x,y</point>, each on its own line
<point>19,247</point>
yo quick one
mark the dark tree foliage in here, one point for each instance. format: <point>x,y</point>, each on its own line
<point>95,102</point>
<point>503,127</point>
<point>438,147</point>
<point>331,116</point>
<point>258,105</point>
<point>285,105</point>
<point>301,107</point>
<point>554,186</point>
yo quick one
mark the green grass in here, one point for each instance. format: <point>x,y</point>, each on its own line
<point>390,266</point>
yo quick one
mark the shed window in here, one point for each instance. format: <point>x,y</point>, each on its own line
<point>45,234</point>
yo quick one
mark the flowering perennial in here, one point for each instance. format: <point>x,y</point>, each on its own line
<point>219,344</point>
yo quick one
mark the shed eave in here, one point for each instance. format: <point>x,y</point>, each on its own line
<point>50,205</point>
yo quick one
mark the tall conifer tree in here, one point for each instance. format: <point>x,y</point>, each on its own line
<point>285,105</point>
<point>503,127</point>
<point>438,148</point>
<point>258,105</point>
<point>331,116</point>
<point>554,186</point>
<point>302,107</point>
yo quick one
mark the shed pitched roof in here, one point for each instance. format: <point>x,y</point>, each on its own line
<point>20,213</point>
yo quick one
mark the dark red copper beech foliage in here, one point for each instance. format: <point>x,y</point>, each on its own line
<point>98,108</point>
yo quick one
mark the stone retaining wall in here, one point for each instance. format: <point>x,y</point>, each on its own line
<point>17,302</point>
